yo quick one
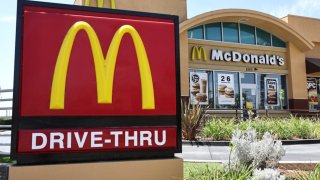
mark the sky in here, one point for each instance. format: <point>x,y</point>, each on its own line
<point>278,8</point>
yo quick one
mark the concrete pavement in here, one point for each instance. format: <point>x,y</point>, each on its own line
<point>301,153</point>
<point>5,139</point>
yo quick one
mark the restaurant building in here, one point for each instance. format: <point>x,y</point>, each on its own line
<point>243,59</point>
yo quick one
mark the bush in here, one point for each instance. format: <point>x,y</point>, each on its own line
<point>246,154</point>
<point>5,121</point>
<point>192,120</point>
<point>219,129</point>
<point>281,128</point>
<point>247,150</point>
<point>5,159</point>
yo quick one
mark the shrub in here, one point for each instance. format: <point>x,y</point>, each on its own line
<point>192,120</point>
<point>247,150</point>
<point>246,154</point>
<point>219,129</point>
<point>5,121</point>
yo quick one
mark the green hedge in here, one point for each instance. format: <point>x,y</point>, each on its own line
<point>5,121</point>
<point>5,159</point>
<point>281,128</point>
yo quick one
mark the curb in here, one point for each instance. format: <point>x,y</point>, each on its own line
<point>226,143</point>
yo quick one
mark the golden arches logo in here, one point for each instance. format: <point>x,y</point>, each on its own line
<point>104,67</point>
<point>100,3</point>
<point>199,51</point>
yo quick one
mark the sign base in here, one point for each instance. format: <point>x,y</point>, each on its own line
<point>158,169</point>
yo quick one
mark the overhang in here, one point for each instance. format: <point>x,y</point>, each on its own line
<point>312,65</point>
<point>264,21</point>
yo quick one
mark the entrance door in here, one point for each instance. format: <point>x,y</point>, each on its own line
<point>248,96</point>
<point>248,91</point>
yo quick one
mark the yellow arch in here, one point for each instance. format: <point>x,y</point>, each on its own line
<point>104,68</point>
<point>144,67</point>
<point>199,51</point>
<point>101,3</point>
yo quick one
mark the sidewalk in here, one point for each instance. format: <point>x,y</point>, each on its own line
<point>305,153</point>
<point>5,139</point>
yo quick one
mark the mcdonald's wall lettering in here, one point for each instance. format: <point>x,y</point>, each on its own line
<point>98,81</point>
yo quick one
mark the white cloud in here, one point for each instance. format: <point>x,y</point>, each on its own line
<point>299,7</point>
<point>7,19</point>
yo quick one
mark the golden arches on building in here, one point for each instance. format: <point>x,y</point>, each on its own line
<point>201,53</point>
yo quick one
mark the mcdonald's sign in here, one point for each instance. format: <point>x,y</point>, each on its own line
<point>198,53</point>
<point>94,84</point>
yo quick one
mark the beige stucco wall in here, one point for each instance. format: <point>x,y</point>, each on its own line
<point>184,65</point>
<point>297,45</point>
<point>297,73</point>
<point>308,27</point>
<point>114,170</point>
<point>297,42</point>
<point>173,7</point>
<point>315,52</point>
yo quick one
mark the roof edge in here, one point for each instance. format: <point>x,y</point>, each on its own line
<point>298,39</point>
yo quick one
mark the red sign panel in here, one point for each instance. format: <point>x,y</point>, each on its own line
<point>56,140</point>
<point>46,33</point>
<point>94,84</point>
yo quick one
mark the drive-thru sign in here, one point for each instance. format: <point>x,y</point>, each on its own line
<point>95,84</point>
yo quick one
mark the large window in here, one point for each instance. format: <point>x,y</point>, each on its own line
<point>235,33</point>
<point>213,32</point>
<point>196,33</point>
<point>209,85</point>
<point>247,34</point>
<point>230,32</point>
<point>263,38</point>
<point>313,88</point>
<point>232,90</point>
<point>279,93</point>
<point>226,91</point>
<point>276,42</point>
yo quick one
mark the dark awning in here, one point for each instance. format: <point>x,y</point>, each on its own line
<point>312,65</point>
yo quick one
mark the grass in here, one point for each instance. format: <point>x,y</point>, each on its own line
<point>313,175</point>
<point>281,128</point>
<point>197,170</point>
<point>214,171</point>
